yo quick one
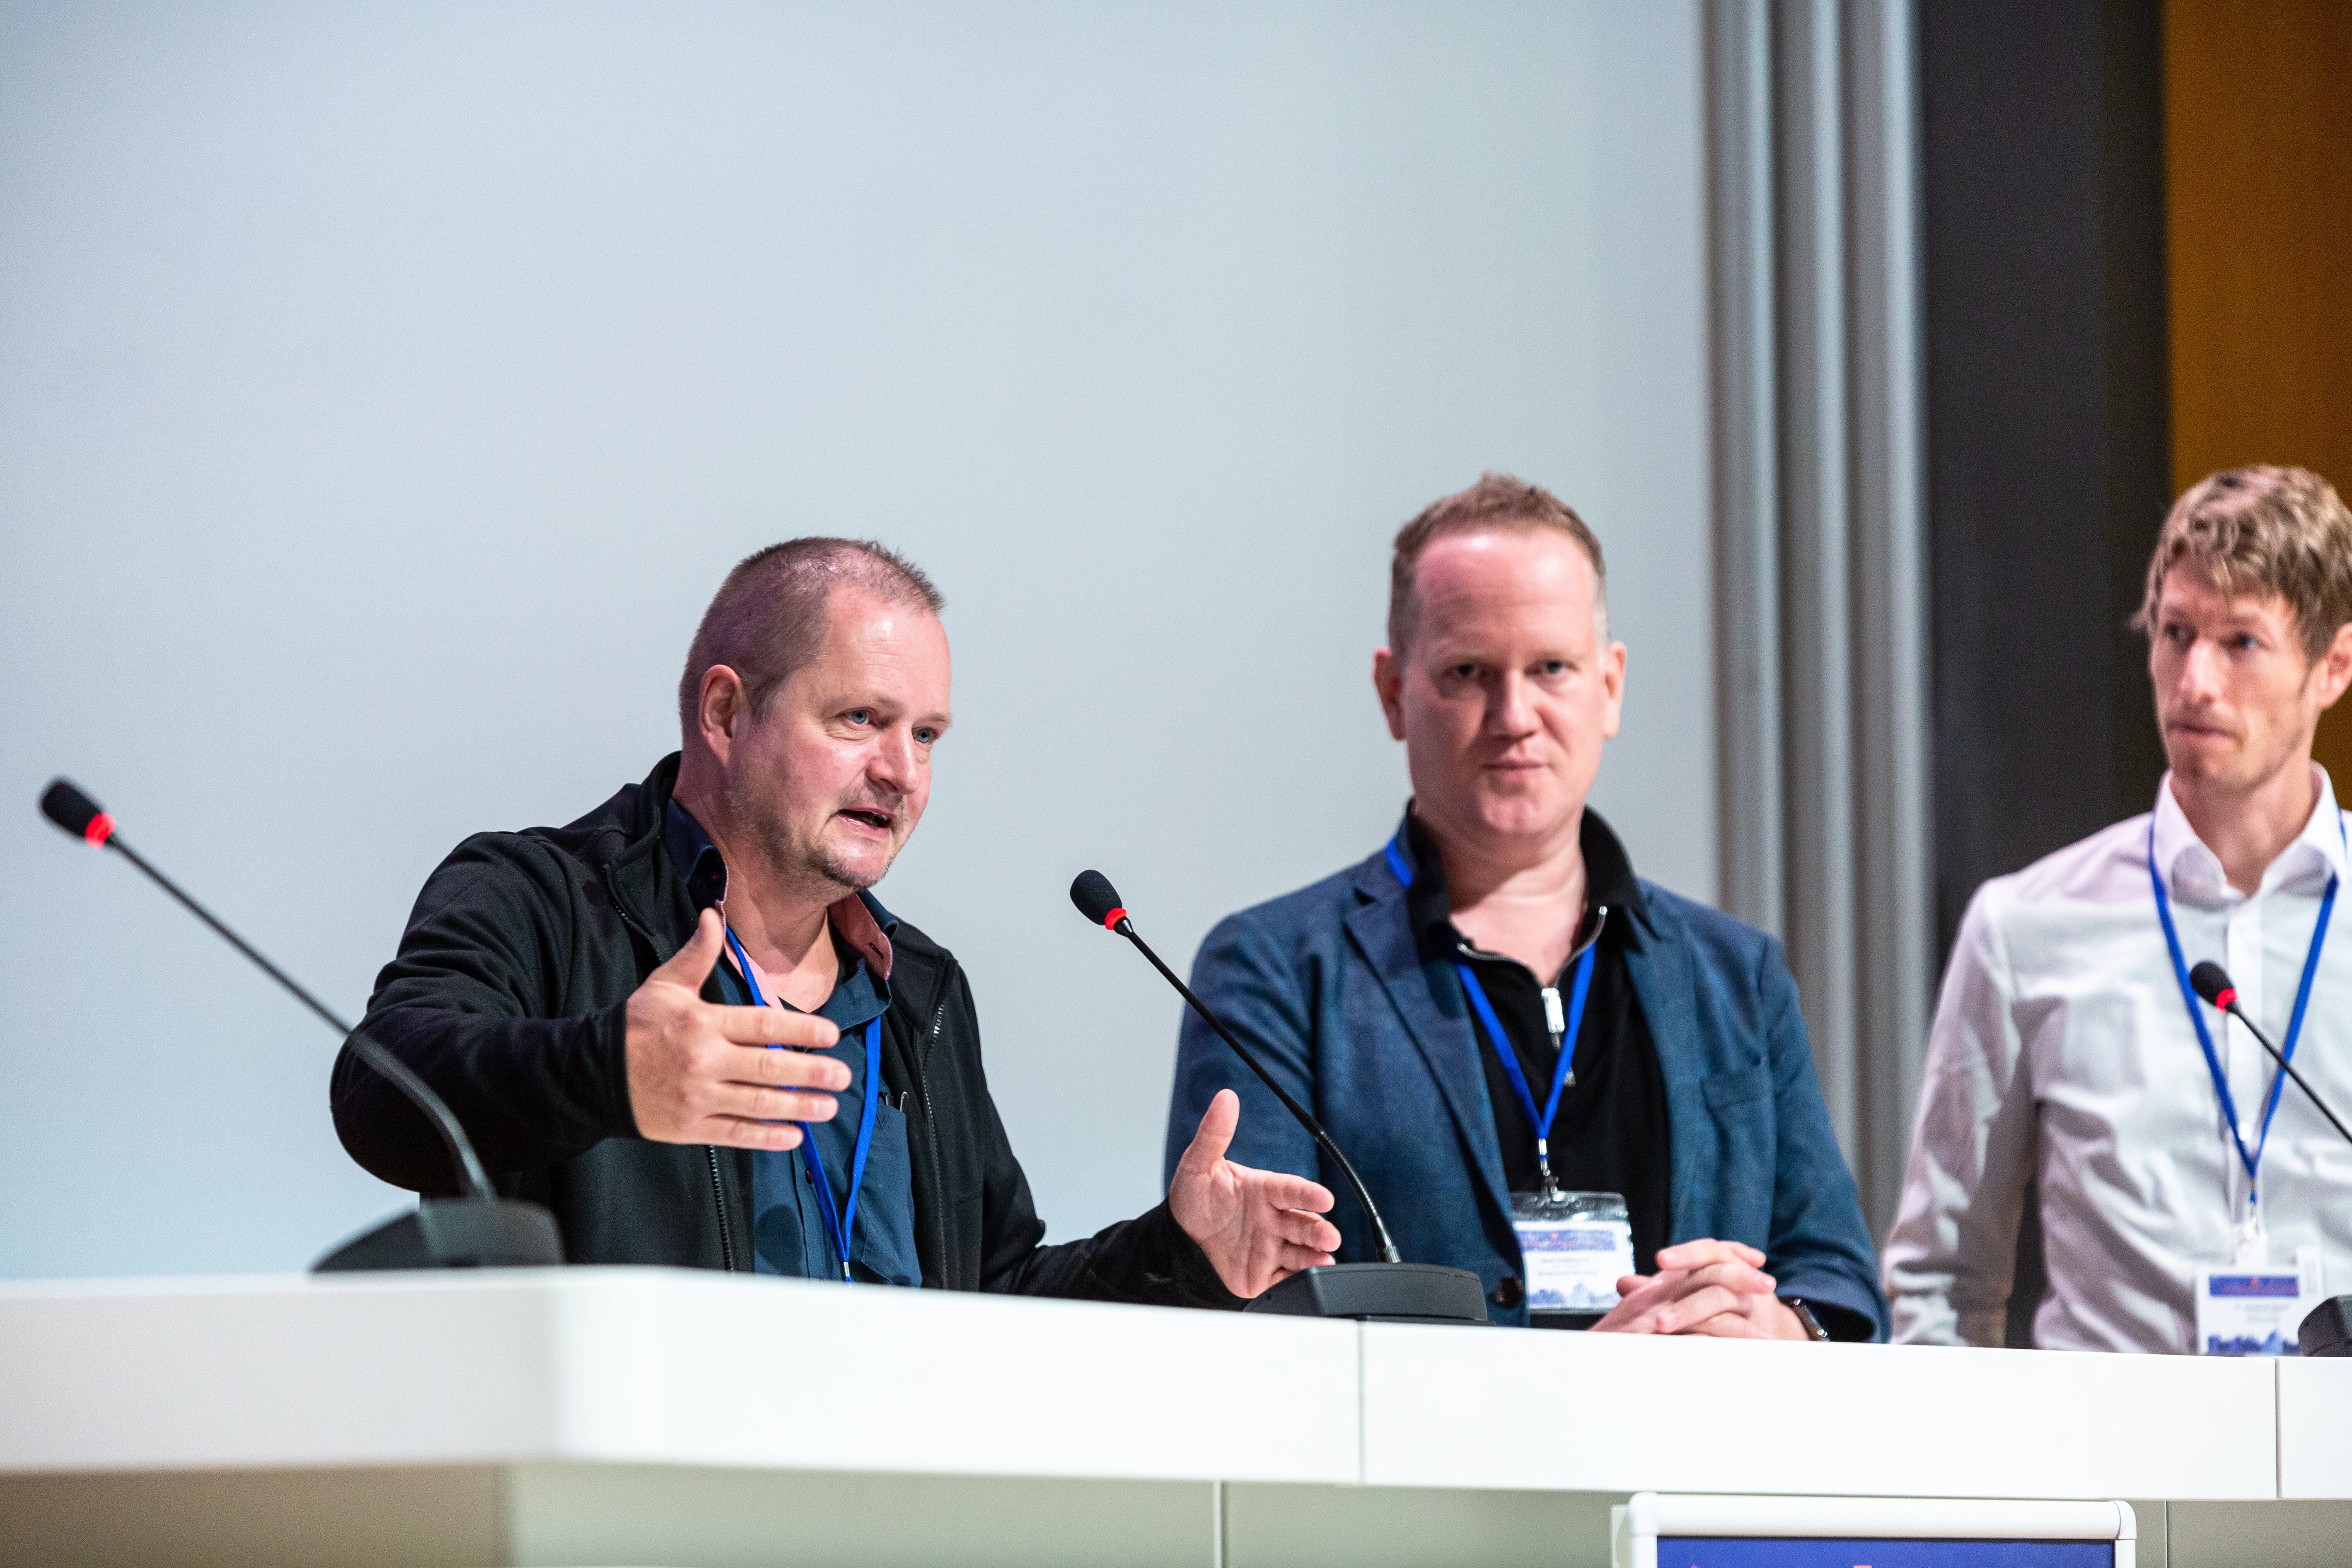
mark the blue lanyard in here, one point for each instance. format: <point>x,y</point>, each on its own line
<point>838,1222</point>
<point>2251,1161</point>
<point>1579,988</point>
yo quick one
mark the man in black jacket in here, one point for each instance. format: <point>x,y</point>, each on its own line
<point>601,1005</point>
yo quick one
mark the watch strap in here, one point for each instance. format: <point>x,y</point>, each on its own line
<point>1812,1325</point>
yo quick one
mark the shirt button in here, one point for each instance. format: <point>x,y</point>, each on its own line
<point>1508,1292</point>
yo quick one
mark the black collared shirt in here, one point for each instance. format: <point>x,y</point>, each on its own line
<point>1611,1135</point>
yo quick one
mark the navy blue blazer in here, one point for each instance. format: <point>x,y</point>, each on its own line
<point>1326,985</point>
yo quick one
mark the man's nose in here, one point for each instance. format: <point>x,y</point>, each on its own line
<point>2201,669</point>
<point>892,764</point>
<point>1511,710</point>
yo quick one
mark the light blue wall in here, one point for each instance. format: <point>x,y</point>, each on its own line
<point>383,390</point>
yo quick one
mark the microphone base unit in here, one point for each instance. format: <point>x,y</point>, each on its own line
<point>1379,1293</point>
<point>2327,1328</point>
<point>453,1233</point>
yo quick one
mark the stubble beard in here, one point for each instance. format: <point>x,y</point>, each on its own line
<point>816,871</point>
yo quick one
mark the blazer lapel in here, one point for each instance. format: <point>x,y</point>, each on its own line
<point>1441,1031</point>
<point>1659,965</point>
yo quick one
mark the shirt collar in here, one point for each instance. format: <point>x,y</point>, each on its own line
<point>2193,874</point>
<point>1609,879</point>
<point>859,919</point>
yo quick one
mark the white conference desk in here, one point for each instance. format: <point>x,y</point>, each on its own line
<point>623,1415</point>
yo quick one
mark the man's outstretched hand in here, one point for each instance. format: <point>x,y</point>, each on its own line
<point>701,1073</point>
<point>1704,1288</point>
<point>1258,1227</point>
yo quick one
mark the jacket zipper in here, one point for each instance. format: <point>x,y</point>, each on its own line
<point>931,1137</point>
<point>718,1196</point>
<point>717,1187</point>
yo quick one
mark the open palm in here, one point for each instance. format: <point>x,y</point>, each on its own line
<point>1258,1227</point>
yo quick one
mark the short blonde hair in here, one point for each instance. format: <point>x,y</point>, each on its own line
<point>1496,503</point>
<point>2261,529</point>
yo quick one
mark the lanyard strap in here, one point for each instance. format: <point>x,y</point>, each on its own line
<point>2251,1161</point>
<point>1541,1122</point>
<point>1579,989</point>
<point>839,1222</point>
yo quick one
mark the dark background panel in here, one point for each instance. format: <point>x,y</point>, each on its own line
<point>2048,451</point>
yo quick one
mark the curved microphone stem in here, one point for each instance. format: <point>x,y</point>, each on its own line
<point>1389,1252</point>
<point>477,1182</point>
<point>2287,1067</point>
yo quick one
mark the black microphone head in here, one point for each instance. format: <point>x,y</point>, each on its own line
<point>1097,899</point>
<point>2211,982</point>
<point>75,812</point>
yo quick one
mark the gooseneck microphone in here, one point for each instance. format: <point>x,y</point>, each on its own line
<point>1099,901</point>
<point>2211,982</point>
<point>1390,1290</point>
<point>479,1228</point>
<point>2327,1328</point>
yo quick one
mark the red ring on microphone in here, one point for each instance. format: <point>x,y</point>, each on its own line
<point>101,828</point>
<point>1110,921</point>
<point>2226,998</point>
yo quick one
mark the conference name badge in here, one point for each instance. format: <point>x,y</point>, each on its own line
<point>2255,1309</point>
<point>1575,1246</point>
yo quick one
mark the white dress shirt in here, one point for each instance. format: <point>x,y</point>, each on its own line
<point>2061,1051</point>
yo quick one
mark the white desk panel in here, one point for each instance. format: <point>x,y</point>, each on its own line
<point>661,1366</point>
<point>1451,1408</point>
<point>2315,1425</point>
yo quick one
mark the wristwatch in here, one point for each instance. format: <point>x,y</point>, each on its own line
<point>1812,1325</point>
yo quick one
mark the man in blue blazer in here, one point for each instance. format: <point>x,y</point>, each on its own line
<point>1592,1094</point>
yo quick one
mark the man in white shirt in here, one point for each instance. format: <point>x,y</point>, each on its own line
<point>2066,1048</point>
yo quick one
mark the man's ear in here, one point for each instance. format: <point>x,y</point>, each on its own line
<point>1388,683</point>
<point>719,710</point>
<point>2333,667</point>
<point>1612,679</point>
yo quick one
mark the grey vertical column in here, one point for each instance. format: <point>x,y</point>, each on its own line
<point>1817,672</point>
<point>1896,893</point>
<point>1746,479</point>
<point>1820,536</point>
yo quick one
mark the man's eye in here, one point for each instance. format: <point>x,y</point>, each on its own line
<point>1464,672</point>
<point>859,715</point>
<point>1553,667</point>
<point>926,734</point>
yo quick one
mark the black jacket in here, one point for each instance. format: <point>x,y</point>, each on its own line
<point>508,997</point>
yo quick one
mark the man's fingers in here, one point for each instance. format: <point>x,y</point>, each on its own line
<point>1735,1277</point>
<point>1308,1230</point>
<point>1691,1310</point>
<point>1633,1312</point>
<point>740,1133</point>
<point>1700,1253</point>
<point>774,1027</point>
<point>771,1104</point>
<point>1216,1133</point>
<point>1287,1192</point>
<point>1294,1258</point>
<point>764,1068</point>
<point>690,965</point>
<point>1655,1290</point>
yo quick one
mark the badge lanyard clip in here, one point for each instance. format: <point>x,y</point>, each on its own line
<point>839,1222</point>
<point>2250,1238</point>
